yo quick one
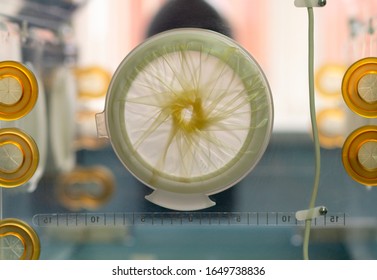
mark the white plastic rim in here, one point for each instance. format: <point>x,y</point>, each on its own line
<point>189,113</point>
<point>62,119</point>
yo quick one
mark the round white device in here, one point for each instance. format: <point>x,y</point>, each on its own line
<point>189,113</point>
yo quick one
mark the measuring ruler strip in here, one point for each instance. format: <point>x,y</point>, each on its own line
<point>183,218</point>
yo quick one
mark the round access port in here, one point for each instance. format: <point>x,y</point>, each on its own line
<point>86,188</point>
<point>19,157</point>
<point>18,90</point>
<point>18,241</point>
<point>359,87</point>
<point>360,155</point>
<point>328,80</point>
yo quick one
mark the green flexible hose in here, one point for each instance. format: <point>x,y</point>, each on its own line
<point>315,133</point>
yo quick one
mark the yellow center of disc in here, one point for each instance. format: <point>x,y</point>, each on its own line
<point>187,112</point>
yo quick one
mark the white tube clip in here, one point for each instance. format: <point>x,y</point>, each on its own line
<point>312,213</point>
<point>310,3</point>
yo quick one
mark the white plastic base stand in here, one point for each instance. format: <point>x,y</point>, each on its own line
<point>180,202</point>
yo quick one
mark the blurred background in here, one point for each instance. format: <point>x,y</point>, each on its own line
<point>274,32</point>
<point>74,47</point>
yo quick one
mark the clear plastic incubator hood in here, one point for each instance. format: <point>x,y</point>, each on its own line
<point>192,129</point>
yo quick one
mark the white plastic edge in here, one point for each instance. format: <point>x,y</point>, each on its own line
<point>308,214</point>
<point>179,201</point>
<point>101,125</point>
<point>309,3</point>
